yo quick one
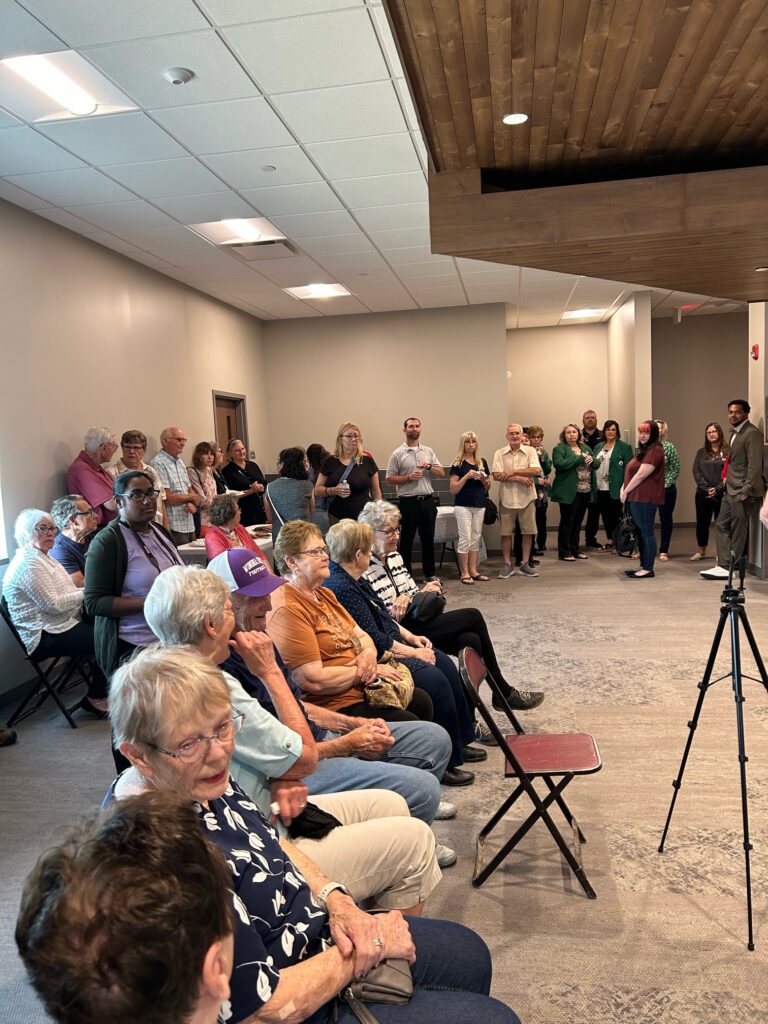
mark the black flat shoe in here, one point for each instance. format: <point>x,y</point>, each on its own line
<point>645,575</point>
<point>456,777</point>
<point>474,754</point>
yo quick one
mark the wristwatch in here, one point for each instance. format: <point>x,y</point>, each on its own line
<point>321,898</point>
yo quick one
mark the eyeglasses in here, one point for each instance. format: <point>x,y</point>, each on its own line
<point>196,749</point>
<point>42,529</point>
<point>183,440</point>
<point>143,496</point>
<point>110,444</point>
<point>140,447</point>
<point>88,512</point>
<point>316,552</point>
<point>240,449</point>
<point>392,532</point>
<point>351,437</point>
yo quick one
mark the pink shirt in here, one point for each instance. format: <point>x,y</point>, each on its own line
<point>95,485</point>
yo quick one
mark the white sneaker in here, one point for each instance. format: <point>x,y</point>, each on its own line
<point>696,557</point>
<point>445,810</point>
<point>717,572</point>
<point>506,572</point>
<point>445,855</point>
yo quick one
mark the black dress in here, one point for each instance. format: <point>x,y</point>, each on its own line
<point>251,508</point>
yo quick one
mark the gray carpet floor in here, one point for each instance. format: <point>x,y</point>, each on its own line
<point>665,940</point>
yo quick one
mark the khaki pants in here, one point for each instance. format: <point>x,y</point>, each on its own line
<point>379,852</point>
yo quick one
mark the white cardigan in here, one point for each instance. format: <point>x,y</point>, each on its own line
<point>40,595</point>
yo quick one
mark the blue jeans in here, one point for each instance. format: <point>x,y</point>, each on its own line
<point>643,515</point>
<point>451,981</point>
<point>443,684</point>
<point>412,767</point>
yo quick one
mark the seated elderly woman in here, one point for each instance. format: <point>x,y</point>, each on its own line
<point>76,522</point>
<point>299,938</point>
<point>331,658</point>
<point>225,530</point>
<point>377,850</point>
<point>46,606</point>
<point>350,545</point>
<point>124,559</point>
<point>451,631</point>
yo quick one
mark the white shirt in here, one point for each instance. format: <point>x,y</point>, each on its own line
<point>41,596</point>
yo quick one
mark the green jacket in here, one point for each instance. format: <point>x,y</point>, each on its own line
<point>546,468</point>
<point>620,458</point>
<point>566,464</point>
<point>105,567</point>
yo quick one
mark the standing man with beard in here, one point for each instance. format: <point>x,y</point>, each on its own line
<point>410,470</point>
<point>592,437</point>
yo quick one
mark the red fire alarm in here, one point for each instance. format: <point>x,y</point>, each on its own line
<point>755,351</point>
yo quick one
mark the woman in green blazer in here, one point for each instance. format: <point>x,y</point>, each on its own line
<point>611,458</point>
<point>573,489</point>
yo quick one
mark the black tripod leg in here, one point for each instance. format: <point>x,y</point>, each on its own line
<point>738,695</point>
<point>753,647</point>
<point>703,686</point>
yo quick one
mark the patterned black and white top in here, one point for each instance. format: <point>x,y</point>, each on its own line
<point>277,922</point>
<point>390,578</point>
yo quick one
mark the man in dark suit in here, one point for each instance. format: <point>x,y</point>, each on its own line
<point>744,487</point>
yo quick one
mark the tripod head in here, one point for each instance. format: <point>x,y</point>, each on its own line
<point>734,595</point>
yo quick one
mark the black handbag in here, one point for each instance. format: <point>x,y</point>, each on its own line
<point>424,607</point>
<point>491,512</point>
<point>625,535</point>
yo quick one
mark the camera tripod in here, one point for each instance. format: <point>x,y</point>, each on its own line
<point>731,612</point>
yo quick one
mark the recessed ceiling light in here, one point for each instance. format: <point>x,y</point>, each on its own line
<point>318,291</point>
<point>761,270</point>
<point>515,118</point>
<point>238,231</point>
<point>583,314</point>
<point>57,85</point>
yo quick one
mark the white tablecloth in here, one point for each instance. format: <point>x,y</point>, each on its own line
<point>447,531</point>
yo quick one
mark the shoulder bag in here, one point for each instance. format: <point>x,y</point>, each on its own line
<point>388,693</point>
<point>424,607</point>
<point>625,535</point>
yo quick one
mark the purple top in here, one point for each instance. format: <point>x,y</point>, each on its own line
<point>139,577</point>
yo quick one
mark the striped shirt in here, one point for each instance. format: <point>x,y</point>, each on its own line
<point>175,479</point>
<point>390,579</point>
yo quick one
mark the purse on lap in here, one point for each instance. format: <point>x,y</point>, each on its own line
<point>389,982</point>
<point>386,693</point>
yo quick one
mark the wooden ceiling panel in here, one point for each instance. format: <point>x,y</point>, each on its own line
<point>618,93</point>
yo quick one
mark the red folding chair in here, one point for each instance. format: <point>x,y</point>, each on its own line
<point>556,758</point>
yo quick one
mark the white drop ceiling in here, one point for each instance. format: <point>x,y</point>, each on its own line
<point>298,111</point>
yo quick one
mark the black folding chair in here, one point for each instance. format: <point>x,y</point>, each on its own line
<point>61,673</point>
<point>556,758</point>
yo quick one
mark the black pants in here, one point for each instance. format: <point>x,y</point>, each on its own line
<point>463,627</point>
<point>75,641</point>
<point>593,523</point>
<point>420,709</point>
<point>610,512</point>
<point>418,514</point>
<point>571,518</point>
<point>707,509</point>
<point>665,516</point>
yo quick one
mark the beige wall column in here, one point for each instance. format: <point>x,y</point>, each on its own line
<point>758,389</point>
<point>630,383</point>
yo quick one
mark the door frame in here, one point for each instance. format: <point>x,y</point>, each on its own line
<point>240,414</point>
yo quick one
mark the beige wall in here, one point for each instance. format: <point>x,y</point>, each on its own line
<point>556,374</point>
<point>446,366</point>
<point>699,365</point>
<point>629,363</point>
<point>90,337</point>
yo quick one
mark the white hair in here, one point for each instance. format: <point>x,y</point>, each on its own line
<point>26,521</point>
<point>378,513</point>
<point>180,600</point>
<point>95,437</point>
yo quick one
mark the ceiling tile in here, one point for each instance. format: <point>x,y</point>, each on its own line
<point>405,97</point>
<point>22,34</point>
<point>159,238</point>
<point>245,170</point>
<point>431,271</point>
<point>184,176</point>
<point>403,238</point>
<point>206,256</point>
<point>122,216</point>
<point>8,120</point>
<point>103,238</point>
<point>66,220</point>
<point>345,112</point>
<point>73,188</point>
<point>290,273</point>
<point>114,139</point>
<point>82,22</point>
<point>356,263</point>
<point>360,158</point>
<point>382,218</point>
<point>383,190</point>
<point>313,197</point>
<point>21,197</point>
<point>439,301</point>
<point>233,12</point>
<point>387,304</point>
<point>137,68</point>
<point>225,127</point>
<point>309,225</point>
<point>201,209</point>
<point>414,254</point>
<point>23,150</point>
<point>344,305</point>
<point>328,244</point>
<point>292,53</point>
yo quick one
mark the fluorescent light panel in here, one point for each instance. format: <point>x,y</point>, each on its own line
<point>583,314</point>
<point>318,291</point>
<point>238,232</point>
<point>57,86</point>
